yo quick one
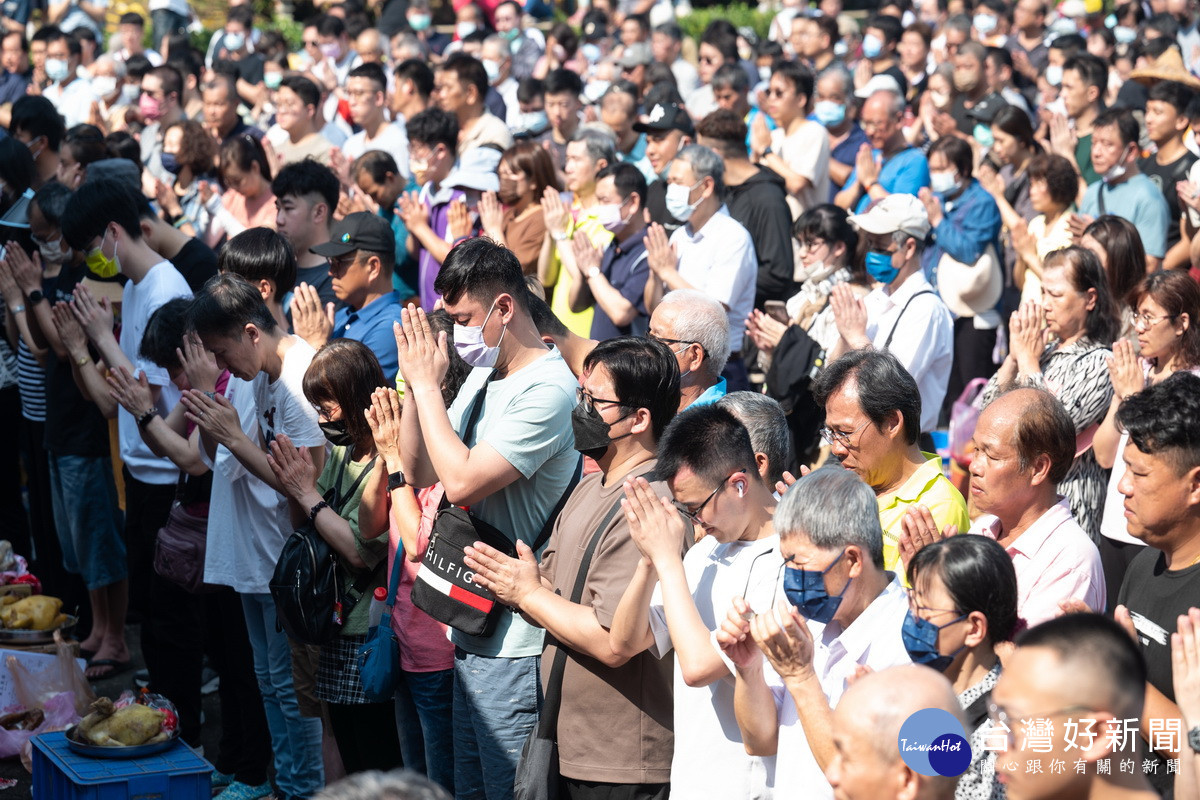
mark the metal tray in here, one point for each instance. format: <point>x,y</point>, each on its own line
<point>21,636</point>
<point>137,751</point>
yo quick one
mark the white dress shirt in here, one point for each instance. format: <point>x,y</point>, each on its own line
<point>719,260</point>
<point>923,340</point>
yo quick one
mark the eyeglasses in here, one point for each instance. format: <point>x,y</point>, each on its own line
<point>707,60</point>
<point>694,514</point>
<point>811,244</point>
<point>832,437</point>
<point>776,92</point>
<point>1145,320</point>
<point>685,342</point>
<point>327,413</point>
<point>589,400</point>
<point>311,43</point>
<point>342,263</point>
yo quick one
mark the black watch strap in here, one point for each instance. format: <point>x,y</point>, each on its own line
<point>396,481</point>
<point>36,297</point>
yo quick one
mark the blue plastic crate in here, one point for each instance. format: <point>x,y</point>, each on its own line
<point>59,773</point>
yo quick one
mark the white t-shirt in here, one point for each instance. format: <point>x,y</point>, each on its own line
<point>282,406</point>
<point>391,139</point>
<point>872,640</point>
<point>719,260</point>
<point>710,760</point>
<point>138,302</point>
<point>807,152</point>
<point>248,521</point>
<point>74,101</point>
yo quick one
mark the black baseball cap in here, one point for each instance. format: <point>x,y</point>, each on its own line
<point>665,117</point>
<point>361,230</point>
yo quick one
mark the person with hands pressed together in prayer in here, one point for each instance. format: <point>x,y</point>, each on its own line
<point>1185,674</point>
<point>1063,347</point>
<point>674,601</point>
<point>512,469</point>
<point>513,216</point>
<point>886,162</point>
<point>1168,342</point>
<point>628,393</point>
<point>842,612</point>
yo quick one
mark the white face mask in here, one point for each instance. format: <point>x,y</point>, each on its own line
<point>943,181</point>
<point>465,29</point>
<point>677,201</point>
<point>609,215</point>
<point>469,343</point>
<point>104,85</point>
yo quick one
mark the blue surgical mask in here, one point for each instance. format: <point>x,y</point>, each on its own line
<point>1125,35</point>
<point>591,52</point>
<point>677,201</point>
<point>984,23</point>
<point>983,135</point>
<point>235,41</point>
<point>872,46</point>
<point>419,22</point>
<point>170,163</point>
<point>920,638</point>
<point>829,113</point>
<point>879,266</point>
<point>532,121</point>
<point>805,589</point>
<point>57,69</point>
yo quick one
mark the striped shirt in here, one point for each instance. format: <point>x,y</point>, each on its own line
<point>31,383</point>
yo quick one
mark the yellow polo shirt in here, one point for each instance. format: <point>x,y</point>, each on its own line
<point>583,223</point>
<point>930,488</point>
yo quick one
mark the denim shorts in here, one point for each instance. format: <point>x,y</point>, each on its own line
<point>88,519</point>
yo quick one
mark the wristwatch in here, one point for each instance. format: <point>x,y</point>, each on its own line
<point>36,297</point>
<point>593,272</point>
<point>145,418</point>
<point>1194,739</point>
<point>396,481</point>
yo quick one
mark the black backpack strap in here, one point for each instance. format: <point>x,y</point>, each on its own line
<point>476,409</point>
<point>888,342</point>
<point>548,527</point>
<point>339,499</point>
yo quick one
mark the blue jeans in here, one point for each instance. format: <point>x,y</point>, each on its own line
<point>88,519</point>
<point>296,740</point>
<point>495,707</point>
<point>424,720</point>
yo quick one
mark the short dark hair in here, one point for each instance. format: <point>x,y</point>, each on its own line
<point>164,333</point>
<point>171,78</point>
<point>329,25</point>
<point>978,575</point>
<point>1044,429</point>
<point>132,18</point>
<point>957,152</point>
<point>829,27</point>
<point>432,127</point>
<point>1123,120</point>
<point>731,76</point>
<point>799,75</point>
<point>722,36</point>
<point>305,89</point>
<point>627,179</point>
<point>671,30</point>
<point>37,116</point>
<point>73,46</point>
<point>560,81</point>
<point>1164,419</point>
<point>52,201</point>
<point>260,254</point>
<point>227,304</point>
<point>305,177</point>
<point>346,372</point>
<point>545,320</point>
<point>891,28</point>
<point>1071,44</point>
<point>726,128</point>
<point>137,66</point>
<point>1173,93</point>
<point>1091,69</point>
<point>923,30</point>
<point>96,204</point>
<point>1165,24</point>
<point>482,270</point>
<point>468,70</point>
<point>372,72</point>
<point>20,36</point>
<point>16,166</point>
<point>243,14</point>
<point>85,144</point>
<point>245,152</point>
<point>530,89</point>
<point>884,387</point>
<point>1096,644</point>
<point>377,164</point>
<point>709,441</point>
<point>417,71</point>
<point>645,375</point>
<point>1059,175</point>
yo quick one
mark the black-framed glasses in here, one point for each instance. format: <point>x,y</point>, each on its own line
<point>694,514</point>
<point>684,342</point>
<point>589,400</point>
<point>339,265</point>
<point>832,437</point>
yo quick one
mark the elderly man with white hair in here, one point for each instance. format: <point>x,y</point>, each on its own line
<point>711,251</point>
<point>841,611</point>
<point>866,763</point>
<point>696,329</point>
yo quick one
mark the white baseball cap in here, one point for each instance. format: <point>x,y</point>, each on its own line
<point>896,212</point>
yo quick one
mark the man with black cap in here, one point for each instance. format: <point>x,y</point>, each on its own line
<point>361,253</point>
<point>668,130</point>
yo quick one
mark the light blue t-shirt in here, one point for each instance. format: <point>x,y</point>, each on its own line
<point>526,418</point>
<point>906,172</point>
<point>1137,200</point>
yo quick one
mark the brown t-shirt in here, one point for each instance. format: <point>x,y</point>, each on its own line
<point>615,725</point>
<point>524,237</point>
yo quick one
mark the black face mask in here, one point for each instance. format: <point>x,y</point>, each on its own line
<point>591,431</point>
<point>336,433</point>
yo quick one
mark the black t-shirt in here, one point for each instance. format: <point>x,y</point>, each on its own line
<point>196,262</point>
<point>392,17</point>
<point>74,425</point>
<point>1156,597</point>
<point>1165,177</point>
<point>656,201</point>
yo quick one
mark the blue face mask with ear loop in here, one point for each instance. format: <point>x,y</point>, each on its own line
<point>920,638</point>
<point>805,589</point>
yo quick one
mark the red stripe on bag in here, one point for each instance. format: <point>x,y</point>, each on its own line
<point>473,600</point>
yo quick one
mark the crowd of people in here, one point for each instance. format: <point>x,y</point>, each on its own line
<point>683,325</point>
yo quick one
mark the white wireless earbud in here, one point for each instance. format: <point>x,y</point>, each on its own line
<point>741,490</point>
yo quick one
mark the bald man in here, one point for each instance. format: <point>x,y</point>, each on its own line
<point>1080,672</point>
<point>371,47</point>
<point>866,763</point>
